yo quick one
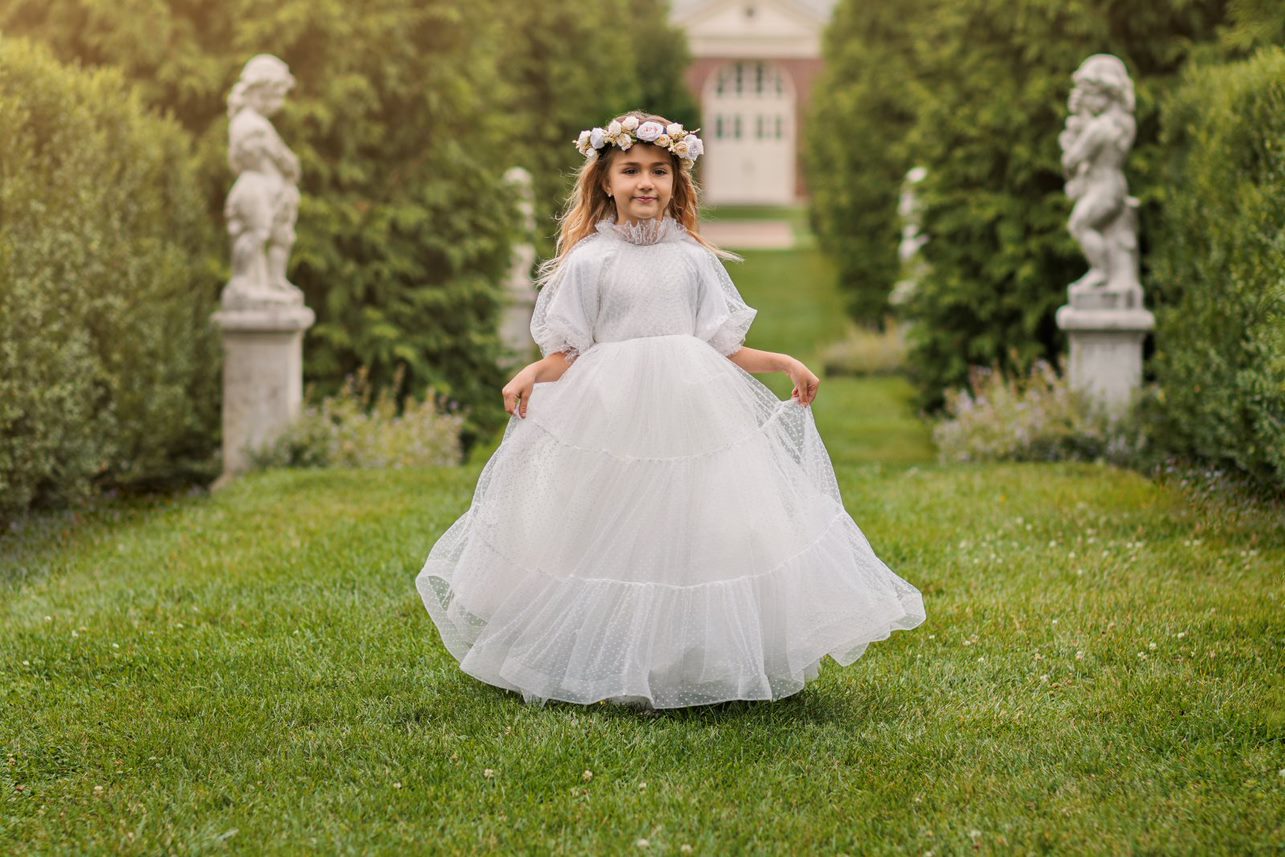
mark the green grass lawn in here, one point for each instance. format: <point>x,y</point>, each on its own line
<point>254,673</point>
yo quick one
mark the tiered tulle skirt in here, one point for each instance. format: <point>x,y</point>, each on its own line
<point>659,529</point>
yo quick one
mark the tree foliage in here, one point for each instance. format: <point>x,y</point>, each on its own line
<point>860,113</point>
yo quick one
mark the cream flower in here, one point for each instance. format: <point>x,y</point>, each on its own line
<point>663,141</point>
<point>649,131</point>
<point>673,129</point>
<point>629,123</point>
<point>614,128</point>
<point>679,148</point>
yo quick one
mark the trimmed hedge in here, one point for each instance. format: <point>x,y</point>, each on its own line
<point>108,363</point>
<point>1218,269</point>
<point>861,110</point>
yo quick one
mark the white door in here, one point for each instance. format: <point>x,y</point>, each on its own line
<point>748,131</point>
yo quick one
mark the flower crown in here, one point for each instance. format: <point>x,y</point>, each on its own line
<point>625,132</point>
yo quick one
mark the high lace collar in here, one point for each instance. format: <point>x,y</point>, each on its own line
<point>644,232</point>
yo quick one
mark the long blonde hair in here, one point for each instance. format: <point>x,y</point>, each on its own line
<point>589,202</point>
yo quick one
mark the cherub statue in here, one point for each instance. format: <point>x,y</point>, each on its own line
<point>1095,142</point>
<point>263,204</point>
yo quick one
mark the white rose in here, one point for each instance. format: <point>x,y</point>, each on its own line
<point>663,141</point>
<point>583,139</point>
<point>630,123</point>
<point>649,131</point>
<point>614,128</point>
<point>597,137</point>
<point>695,146</point>
<point>673,129</point>
<point>591,155</point>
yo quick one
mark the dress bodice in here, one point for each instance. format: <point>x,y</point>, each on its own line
<point>625,282</point>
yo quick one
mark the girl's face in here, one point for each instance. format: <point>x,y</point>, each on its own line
<point>641,181</point>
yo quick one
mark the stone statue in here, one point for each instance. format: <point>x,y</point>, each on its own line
<point>263,204</point>
<point>1104,319</point>
<point>910,212</point>
<point>519,290</point>
<point>262,317</point>
<point>1095,142</point>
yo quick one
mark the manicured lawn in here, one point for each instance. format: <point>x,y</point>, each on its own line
<point>254,673</point>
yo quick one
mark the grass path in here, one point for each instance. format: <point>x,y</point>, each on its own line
<point>254,673</point>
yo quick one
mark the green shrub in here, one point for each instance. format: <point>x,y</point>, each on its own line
<point>1031,417</point>
<point>362,427</point>
<point>864,351</point>
<point>108,362</point>
<point>1219,270</point>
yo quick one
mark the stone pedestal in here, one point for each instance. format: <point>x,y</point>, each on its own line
<point>262,378</point>
<point>1106,351</point>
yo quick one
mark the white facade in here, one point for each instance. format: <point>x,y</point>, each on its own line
<point>747,55</point>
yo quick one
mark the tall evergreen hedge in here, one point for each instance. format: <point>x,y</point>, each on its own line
<point>1219,268</point>
<point>108,365</point>
<point>861,111</point>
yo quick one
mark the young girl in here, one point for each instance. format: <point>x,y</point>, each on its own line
<point>656,526</point>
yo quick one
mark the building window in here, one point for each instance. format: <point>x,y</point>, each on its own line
<point>779,127</point>
<point>757,79</point>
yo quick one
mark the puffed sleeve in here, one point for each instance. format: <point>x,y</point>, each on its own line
<point>722,316</point>
<point>567,306</point>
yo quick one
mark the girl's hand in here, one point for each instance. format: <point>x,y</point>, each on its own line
<point>517,393</point>
<point>805,383</point>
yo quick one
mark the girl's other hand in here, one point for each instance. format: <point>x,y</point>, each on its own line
<point>805,383</point>
<point>517,393</point>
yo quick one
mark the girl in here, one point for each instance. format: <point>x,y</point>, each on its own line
<point>656,527</point>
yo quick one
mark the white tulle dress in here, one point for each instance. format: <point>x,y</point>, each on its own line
<point>660,529</point>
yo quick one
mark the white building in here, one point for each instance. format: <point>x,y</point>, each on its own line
<point>753,66</point>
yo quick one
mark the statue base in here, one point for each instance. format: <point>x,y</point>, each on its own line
<point>262,378</point>
<point>1106,352</point>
